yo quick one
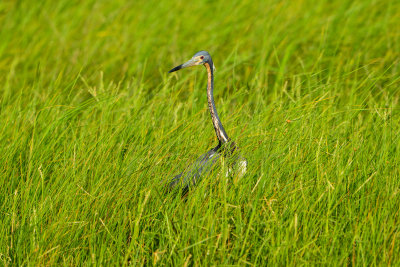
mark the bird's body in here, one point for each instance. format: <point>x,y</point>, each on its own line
<point>200,167</point>
<point>225,148</point>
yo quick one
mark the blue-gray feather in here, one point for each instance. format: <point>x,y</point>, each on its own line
<point>192,175</point>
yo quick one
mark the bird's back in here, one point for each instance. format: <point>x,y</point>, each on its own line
<point>191,175</point>
<point>205,164</point>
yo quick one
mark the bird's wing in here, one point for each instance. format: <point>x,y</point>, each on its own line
<point>192,175</point>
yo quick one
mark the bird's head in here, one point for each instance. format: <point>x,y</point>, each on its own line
<point>200,58</point>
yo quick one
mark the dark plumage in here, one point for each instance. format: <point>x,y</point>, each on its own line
<point>200,167</point>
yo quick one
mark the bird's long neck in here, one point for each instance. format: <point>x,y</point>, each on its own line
<point>219,129</point>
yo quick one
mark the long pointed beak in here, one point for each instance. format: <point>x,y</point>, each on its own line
<point>190,63</point>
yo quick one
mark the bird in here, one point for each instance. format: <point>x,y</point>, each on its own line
<point>225,148</point>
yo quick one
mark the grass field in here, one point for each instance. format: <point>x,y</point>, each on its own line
<point>92,123</point>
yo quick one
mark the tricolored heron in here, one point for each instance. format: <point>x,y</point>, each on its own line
<point>225,148</point>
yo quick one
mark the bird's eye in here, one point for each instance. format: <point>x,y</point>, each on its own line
<point>202,57</point>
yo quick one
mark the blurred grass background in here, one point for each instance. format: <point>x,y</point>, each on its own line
<point>92,123</point>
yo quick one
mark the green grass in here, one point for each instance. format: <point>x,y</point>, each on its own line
<point>91,124</point>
